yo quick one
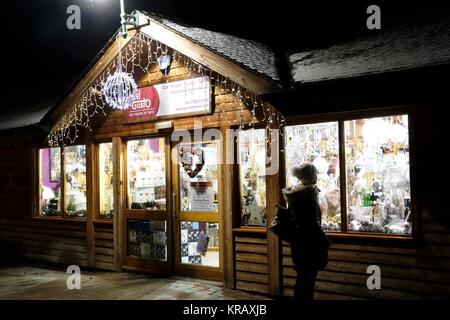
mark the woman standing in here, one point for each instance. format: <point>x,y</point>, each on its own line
<point>310,244</point>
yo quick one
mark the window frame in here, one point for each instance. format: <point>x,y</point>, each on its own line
<point>355,115</point>
<point>36,212</point>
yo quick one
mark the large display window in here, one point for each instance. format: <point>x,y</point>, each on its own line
<point>62,182</point>
<point>373,156</point>
<point>318,144</point>
<point>146,165</point>
<point>252,168</point>
<point>378,175</point>
<point>105,180</point>
<point>50,182</point>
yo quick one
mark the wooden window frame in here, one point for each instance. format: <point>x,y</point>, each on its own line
<point>355,115</point>
<point>36,213</point>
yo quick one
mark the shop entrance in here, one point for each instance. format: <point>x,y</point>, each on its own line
<point>172,207</point>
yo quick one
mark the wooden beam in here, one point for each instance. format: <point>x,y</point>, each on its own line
<point>119,255</point>
<point>257,83</point>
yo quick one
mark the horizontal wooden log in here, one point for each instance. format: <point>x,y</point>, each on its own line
<point>252,277</point>
<point>250,257</point>
<point>251,286</point>
<point>251,248</point>
<point>251,267</point>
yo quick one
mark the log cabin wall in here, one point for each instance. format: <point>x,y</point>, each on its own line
<point>21,236</point>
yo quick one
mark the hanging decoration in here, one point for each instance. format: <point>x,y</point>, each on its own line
<point>119,89</point>
<point>115,87</point>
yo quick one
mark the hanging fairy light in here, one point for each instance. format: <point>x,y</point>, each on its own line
<point>116,85</point>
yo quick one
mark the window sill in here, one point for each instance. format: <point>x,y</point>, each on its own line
<point>59,219</point>
<point>259,230</point>
<point>103,221</point>
<point>359,236</point>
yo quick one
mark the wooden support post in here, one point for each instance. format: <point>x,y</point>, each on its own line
<point>91,197</point>
<point>118,204</point>
<point>227,217</point>
<point>273,199</point>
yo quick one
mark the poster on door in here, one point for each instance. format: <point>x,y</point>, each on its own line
<point>172,99</point>
<point>201,196</point>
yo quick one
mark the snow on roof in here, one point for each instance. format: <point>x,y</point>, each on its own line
<point>419,42</point>
<point>24,118</point>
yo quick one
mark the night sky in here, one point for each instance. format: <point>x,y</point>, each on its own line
<point>42,58</point>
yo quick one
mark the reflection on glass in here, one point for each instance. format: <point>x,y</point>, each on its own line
<point>198,177</point>
<point>200,243</point>
<point>50,181</point>
<point>146,162</point>
<point>105,180</point>
<point>147,239</point>
<point>318,144</point>
<point>252,158</point>
<point>75,180</point>
<point>377,160</point>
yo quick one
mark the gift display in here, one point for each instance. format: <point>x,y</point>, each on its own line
<point>199,243</point>
<point>198,177</point>
<point>50,181</point>
<point>75,180</point>
<point>317,144</point>
<point>147,239</point>
<point>105,177</point>
<point>378,175</point>
<point>252,164</point>
<point>146,163</point>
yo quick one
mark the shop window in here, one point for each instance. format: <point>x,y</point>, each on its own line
<point>50,182</point>
<point>252,158</point>
<point>146,163</point>
<point>75,181</point>
<point>318,144</point>
<point>377,172</point>
<point>198,177</point>
<point>378,178</point>
<point>62,193</point>
<point>147,239</point>
<point>105,179</point>
<point>199,243</point>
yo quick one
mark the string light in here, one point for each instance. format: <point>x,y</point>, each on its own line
<point>142,53</point>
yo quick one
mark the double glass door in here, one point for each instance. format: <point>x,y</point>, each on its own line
<point>172,207</point>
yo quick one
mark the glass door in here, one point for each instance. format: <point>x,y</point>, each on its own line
<point>147,205</point>
<point>197,215</point>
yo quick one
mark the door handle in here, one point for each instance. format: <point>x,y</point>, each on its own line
<point>174,205</point>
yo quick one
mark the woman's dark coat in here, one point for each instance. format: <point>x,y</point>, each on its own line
<point>309,248</point>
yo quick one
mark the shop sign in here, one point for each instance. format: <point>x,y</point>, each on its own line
<point>170,100</point>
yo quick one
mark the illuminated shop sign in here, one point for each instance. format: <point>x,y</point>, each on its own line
<point>173,99</point>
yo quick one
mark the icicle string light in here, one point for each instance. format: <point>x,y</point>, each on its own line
<point>141,53</point>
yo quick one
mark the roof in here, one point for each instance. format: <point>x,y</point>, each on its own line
<point>254,55</point>
<point>420,41</point>
<point>415,43</point>
<point>24,118</point>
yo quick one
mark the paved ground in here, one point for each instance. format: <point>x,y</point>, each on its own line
<point>27,282</point>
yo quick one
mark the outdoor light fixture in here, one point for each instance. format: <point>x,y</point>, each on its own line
<point>120,89</point>
<point>164,62</point>
<point>127,19</point>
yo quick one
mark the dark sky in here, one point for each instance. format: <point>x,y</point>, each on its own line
<point>42,58</point>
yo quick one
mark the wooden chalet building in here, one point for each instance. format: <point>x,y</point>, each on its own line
<point>370,114</point>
